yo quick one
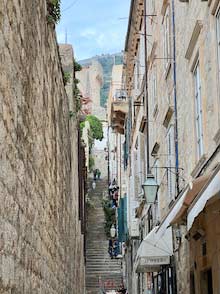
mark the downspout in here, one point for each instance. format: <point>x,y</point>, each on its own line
<point>174,285</point>
<point>175,101</point>
<point>146,89</point>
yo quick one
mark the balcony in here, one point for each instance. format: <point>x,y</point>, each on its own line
<point>119,109</point>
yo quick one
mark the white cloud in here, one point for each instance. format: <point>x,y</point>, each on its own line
<point>88,33</point>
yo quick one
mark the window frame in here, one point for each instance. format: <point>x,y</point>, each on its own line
<point>167,38</point>
<point>198,113</point>
<point>154,86</point>
<point>218,37</point>
<point>171,182</point>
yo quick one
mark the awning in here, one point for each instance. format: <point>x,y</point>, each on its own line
<point>171,214</point>
<point>193,189</point>
<point>210,189</point>
<point>189,197</point>
<point>154,251</point>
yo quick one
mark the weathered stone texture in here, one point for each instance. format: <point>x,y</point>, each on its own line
<point>40,240</point>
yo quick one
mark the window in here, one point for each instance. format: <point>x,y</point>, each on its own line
<point>170,163</point>
<point>152,6</point>
<point>154,87</point>
<point>166,38</point>
<point>198,111</point>
<point>218,38</point>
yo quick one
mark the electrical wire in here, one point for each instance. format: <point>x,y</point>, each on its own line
<point>70,6</point>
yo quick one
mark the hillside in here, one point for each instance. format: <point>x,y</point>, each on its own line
<point>107,61</point>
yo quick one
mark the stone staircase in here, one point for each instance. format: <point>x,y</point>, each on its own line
<point>102,272</point>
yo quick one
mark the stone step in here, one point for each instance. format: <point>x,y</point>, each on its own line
<point>98,262</point>
<point>106,266</point>
<point>103,257</point>
<point>92,277</point>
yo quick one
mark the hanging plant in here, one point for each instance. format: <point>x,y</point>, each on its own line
<point>77,95</point>
<point>53,8</point>
<point>66,77</point>
<point>77,66</point>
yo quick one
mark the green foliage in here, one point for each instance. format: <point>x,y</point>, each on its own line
<point>82,125</point>
<point>66,77</point>
<point>76,81</point>
<point>96,131</point>
<point>77,66</point>
<point>89,204</point>
<point>91,162</point>
<point>77,95</point>
<point>110,217</point>
<point>54,14</point>
<point>72,114</point>
<point>95,127</point>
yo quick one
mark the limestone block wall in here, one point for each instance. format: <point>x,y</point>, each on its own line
<point>40,239</point>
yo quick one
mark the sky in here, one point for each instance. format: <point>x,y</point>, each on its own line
<point>93,27</point>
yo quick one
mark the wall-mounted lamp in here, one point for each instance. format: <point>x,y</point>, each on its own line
<point>150,188</point>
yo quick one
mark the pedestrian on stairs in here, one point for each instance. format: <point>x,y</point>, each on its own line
<point>93,185</point>
<point>98,174</point>
<point>110,248</point>
<point>94,174</point>
<point>122,290</point>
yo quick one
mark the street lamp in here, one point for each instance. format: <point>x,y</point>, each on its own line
<point>112,231</point>
<point>150,188</point>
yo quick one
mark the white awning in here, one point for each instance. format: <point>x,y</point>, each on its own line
<point>154,251</point>
<point>210,190</point>
<point>171,214</point>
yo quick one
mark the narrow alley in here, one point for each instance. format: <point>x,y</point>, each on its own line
<point>102,272</point>
<point>109,147</point>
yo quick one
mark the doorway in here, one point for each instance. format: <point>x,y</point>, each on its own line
<point>206,282</point>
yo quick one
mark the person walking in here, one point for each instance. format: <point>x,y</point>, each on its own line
<point>93,185</point>
<point>94,174</point>
<point>110,248</point>
<point>98,174</point>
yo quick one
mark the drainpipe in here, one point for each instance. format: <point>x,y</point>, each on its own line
<point>146,88</point>
<point>176,136</point>
<point>175,100</point>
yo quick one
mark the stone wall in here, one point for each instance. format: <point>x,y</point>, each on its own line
<point>40,238</point>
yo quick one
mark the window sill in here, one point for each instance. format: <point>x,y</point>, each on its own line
<point>217,137</point>
<point>198,166</point>
<point>164,7</point>
<point>155,112</point>
<point>168,116</point>
<point>171,203</point>
<point>213,5</point>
